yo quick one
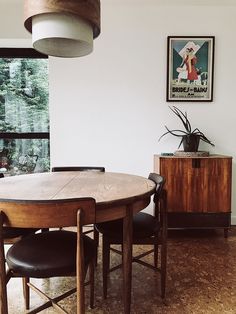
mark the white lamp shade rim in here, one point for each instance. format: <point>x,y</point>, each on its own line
<point>62,35</point>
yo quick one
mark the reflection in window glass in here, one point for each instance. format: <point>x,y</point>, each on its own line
<point>24,118</point>
<point>24,156</point>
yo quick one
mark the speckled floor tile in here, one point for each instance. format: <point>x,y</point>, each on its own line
<point>201,279</point>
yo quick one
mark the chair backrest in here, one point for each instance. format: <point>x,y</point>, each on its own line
<point>78,168</point>
<point>160,181</point>
<point>160,208</point>
<point>47,214</point>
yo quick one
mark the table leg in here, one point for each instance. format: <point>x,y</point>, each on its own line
<point>3,281</point>
<point>127,258</point>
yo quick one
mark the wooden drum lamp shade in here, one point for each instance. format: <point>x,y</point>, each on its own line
<point>63,28</point>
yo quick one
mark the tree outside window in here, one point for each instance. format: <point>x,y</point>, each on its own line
<point>24,116</point>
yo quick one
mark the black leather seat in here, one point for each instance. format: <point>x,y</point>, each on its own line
<point>144,225</point>
<point>58,258</point>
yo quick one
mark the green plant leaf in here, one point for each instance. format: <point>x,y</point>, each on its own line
<point>187,125</point>
<point>172,133</point>
<point>183,117</point>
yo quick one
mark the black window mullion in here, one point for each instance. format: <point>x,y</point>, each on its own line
<point>21,53</point>
<point>9,135</point>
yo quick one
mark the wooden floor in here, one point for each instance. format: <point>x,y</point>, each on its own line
<point>201,279</point>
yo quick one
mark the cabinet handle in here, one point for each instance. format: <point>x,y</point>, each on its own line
<point>196,163</point>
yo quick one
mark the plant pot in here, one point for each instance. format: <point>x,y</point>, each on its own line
<point>191,142</point>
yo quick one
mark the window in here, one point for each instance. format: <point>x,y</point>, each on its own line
<point>24,117</point>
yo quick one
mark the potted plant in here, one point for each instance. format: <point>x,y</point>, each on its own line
<point>189,138</point>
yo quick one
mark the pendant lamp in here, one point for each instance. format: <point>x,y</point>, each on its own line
<point>63,28</point>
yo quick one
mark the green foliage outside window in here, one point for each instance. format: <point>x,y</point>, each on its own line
<point>24,109</point>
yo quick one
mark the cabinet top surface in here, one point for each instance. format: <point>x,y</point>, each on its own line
<point>210,156</point>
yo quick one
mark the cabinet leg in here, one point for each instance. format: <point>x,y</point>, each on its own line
<point>226,232</point>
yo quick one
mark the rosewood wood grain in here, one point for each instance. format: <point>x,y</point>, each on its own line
<point>117,196</point>
<point>23,214</point>
<point>110,190</point>
<point>197,185</point>
<point>89,10</point>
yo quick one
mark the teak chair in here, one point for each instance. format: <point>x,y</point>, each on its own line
<point>12,235</point>
<point>147,229</point>
<point>84,168</point>
<point>52,253</point>
<point>78,168</point>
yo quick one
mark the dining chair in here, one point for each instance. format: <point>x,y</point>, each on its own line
<point>12,235</point>
<point>78,168</point>
<point>147,230</point>
<point>57,253</point>
<point>89,229</point>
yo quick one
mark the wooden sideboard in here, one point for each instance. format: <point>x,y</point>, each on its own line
<point>198,190</point>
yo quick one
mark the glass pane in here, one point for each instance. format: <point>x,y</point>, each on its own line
<point>21,156</point>
<point>24,109</point>
<point>24,95</point>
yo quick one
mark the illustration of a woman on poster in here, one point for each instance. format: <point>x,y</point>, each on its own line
<point>190,60</point>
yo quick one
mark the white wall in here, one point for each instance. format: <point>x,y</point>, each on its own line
<point>109,108</point>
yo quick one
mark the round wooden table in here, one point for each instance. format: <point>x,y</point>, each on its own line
<point>117,195</point>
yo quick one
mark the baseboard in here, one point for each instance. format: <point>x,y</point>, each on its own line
<point>233,220</point>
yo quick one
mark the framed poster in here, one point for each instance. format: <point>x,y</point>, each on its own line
<point>190,68</point>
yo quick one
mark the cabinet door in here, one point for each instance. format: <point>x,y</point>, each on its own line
<point>175,171</point>
<point>219,185</point>
<point>197,185</point>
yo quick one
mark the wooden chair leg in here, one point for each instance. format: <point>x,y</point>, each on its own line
<point>155,254</point>
<point>91,280</point>
<point>163,269</point>
<point>105,263</point>
<point>26,292</point>
<point>80,295</point>
<point>96,239</point>
<point>3,288</point>
<point>3,301</point>
<point>3,279</point>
